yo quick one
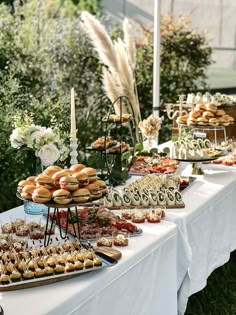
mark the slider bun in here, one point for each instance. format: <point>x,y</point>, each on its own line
<point>77,167</point>
<point>81,195</point>
<point>50,170</point>
<point>202,121</point>
<point>91,172</point>
<point>44,180</point>
<point>56,176</point>
<point>191,122</point>
<point>214,121</point>
<point>200,107</point>
<point>27,192</point>
<point>69,182</point>
<point>102,185</point>
<point>220,112</point>
<point>31,179</point>
<point>211,107</point>
<point>229,118</point>
<point>62,196</point>
<point>23,183</point>
<point>208,114</point>
<point>41,194</point>
<point>195,113</point>
<point>80,175</point>
<point>95,190</point>
<point>182,119</point>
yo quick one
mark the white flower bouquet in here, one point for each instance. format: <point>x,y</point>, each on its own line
<point>45,142</point>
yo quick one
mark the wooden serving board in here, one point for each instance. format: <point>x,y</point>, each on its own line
<point>107,261</point>
<point>148,207</point>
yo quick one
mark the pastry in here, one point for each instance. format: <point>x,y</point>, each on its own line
<point>153,217</point>
<point>117,200</point>
<point>15,276</point>
<point>58,269</point>
<point>170,198</point>
<point>38,273</point>
<point>120,240</point>
<point>28,275</point>
<point>152,198</point>
<point>88,264</point>
<point>97,262</point>
<point>4,279</point>
<point>104,242</point>
<point>126,199</point>
<point>135,199</point>
<point>78,265</point>
<point>138,217</point>
<point>161,199</point>
<point>144,200</point>
<point>178,198</point>
<point>108,200</point>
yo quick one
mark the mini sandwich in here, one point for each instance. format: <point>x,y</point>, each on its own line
<point>41,195</point>
<point>77,167</point>
<point>95,190</point>
<point>32,179</point>
<point>69,183</point>
<point>102,185</point>
<point>91,172</point>
<point>22,184</point>
<point>50,170</point>
<point>27,192</point>
<point>62,196</point>
<point>82,178</point>
<point>56,176</point>
<point>44,180</point>
<point>81,195</point>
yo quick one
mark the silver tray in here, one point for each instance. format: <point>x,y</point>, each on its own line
<point>23,284</point>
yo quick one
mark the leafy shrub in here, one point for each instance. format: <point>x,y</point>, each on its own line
<point>185,54</point>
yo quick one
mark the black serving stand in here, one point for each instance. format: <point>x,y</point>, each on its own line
<point>52,219</point>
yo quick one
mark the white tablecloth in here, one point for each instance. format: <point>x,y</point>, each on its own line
<point>143,281</point>
<point>206,226</point>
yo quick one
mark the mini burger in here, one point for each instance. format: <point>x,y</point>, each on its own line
<point>41,195</point>
<point>27,192</point>
<point>95,190</point>
<point>82,178</point>
<point>44,180</point>
<point>50,170</point>
<point>102,185</point>
<point>77,167</point>
<point>91,172</point>
<point>23,183</point>
<point>32,179</point>
<point>56,176</point>
<point>62,196</point>
<point>81,195</point>
<point>69,183</point>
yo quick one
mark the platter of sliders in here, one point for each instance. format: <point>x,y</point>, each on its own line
<point>149,191</point>
<point>36,266</point>
<point>57,187</point>
<point>205,115</point>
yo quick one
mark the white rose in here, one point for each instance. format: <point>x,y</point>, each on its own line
<point>17,138</point>
<point>48,154</point>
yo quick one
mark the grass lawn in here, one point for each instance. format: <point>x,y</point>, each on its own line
<point>219,297</point>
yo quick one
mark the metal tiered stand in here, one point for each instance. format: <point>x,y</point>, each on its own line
<point>115,127</point>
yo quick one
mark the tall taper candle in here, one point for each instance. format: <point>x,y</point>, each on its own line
<point>73,121</point>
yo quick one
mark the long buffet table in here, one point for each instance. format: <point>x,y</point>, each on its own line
<point>160,269</point>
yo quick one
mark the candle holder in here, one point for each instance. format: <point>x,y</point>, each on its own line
<point>73,151</point>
